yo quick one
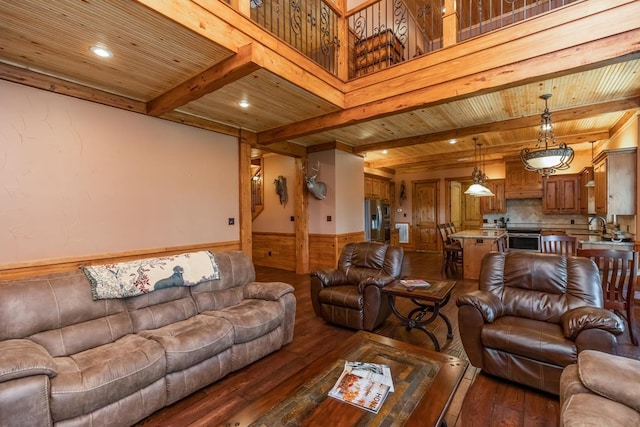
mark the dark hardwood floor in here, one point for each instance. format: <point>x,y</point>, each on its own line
<point>481,400</point>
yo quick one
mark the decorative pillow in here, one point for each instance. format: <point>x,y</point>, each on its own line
<point>126,279</point>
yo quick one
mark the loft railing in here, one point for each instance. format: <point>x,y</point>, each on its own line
<point>386,32</point>
<point>479,17</point>
<point>310,26</point>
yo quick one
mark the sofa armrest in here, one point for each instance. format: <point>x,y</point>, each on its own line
<point>330,277</point>
<point>614,377</point>
<point>578,319</point>
<point>21,358</point>
<point>270,291</point>
<point>378,281</point>
<point>489,305</point>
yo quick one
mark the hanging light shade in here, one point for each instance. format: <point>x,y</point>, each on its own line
<point>478,189</point>
<point>591,182</point>
<point>548,156</point>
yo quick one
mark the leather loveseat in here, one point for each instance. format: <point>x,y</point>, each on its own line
<point>600,390</point>
<point>69,360</point>
<point>532,314</point>
<point>350,295</point>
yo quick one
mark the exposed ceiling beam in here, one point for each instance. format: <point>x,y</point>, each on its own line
<point>55,84</point>
<point>504,150</point>
<point>505,125</point>
<point>236,67</point>
<point>440,92</point>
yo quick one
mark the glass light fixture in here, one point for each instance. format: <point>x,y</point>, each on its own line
<point>547,160</point>
<point>478,189</point>
<point>591,182</point>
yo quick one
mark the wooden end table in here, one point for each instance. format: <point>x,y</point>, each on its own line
<point>428,300</point>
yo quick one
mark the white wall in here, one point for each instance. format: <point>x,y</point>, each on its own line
<point>81,179</point>
<point>276,218</point>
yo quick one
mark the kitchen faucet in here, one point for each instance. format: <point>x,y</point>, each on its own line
<point>604,223</point>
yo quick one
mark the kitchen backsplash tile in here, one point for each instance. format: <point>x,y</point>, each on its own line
<point>528,213</point>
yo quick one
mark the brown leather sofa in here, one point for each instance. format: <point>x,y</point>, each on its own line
<point>350,294</point>
<point>532,314</point>
<point>67,360</point>
<point>600,390</point>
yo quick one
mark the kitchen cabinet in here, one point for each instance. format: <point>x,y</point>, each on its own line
<point>521,183</point>
<point>615,182</point>
<point>561,194</point>
<point>587,197</point>
<point>377,188</point>
<point>495,204</point>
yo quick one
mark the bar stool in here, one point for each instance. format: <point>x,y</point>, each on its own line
<point>451,250</point>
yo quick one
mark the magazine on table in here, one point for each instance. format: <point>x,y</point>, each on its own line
<point>415,283</point>
<point>365,385</point>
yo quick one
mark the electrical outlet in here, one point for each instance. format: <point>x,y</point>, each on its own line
<point>269,253</point>
<point>292,218</point>
<point>232,221</point>
<point>573,221</point>
<point>328,218</point>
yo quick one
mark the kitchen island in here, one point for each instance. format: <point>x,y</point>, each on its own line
<point>475,245</point>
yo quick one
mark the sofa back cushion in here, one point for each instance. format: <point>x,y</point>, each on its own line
<point>366,259</point>
<point>58,312</point>
<point>160,308</point>
<point>236,270</point>
<point>541,286</point>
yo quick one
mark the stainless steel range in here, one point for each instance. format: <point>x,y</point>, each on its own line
<point>523,239</point>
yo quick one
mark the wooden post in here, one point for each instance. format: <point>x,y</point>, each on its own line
<point>343,36</point>
<point>301,219</point>
<point>449,24</point>
<point>244,179</point>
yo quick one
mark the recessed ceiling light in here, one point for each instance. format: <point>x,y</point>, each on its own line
<point>244,103</point>
<point>101,51</point>
<point>453,141</point>
<point>385,151</point>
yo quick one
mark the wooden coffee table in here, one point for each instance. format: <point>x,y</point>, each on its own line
<point>424,380</point>
<point>428,302</point>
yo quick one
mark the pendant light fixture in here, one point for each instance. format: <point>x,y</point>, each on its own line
<point>545,158</point>
<point>591,182</point>
<point>478,189</point>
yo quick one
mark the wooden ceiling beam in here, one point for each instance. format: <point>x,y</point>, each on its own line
<point>558,116</point>
<point>236,67</point>
<point>503,150</point>
<point>616,48</point>
<point>64,87</point>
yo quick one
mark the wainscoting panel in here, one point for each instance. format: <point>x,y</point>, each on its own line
<point>276,250</point>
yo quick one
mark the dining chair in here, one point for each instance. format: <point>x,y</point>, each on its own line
<point>619,276</point>
<point>558,244</point>
<point>451,250</point>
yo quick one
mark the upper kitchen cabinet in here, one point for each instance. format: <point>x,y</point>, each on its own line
<point>561,194</point>
<point>587,198</point>
<point>377,188</point>
<point>521,183</point>
<point>615,182</point>
<point>495,204</point>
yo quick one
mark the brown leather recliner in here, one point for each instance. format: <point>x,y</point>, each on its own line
<point>532,315</point>
<point>350,294</point>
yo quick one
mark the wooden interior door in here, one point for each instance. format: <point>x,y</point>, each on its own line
<point>425,215</point>
<point>455,194</point>
<point>471,217</point>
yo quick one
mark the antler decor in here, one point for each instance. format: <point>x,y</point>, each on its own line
<point>318,189</point>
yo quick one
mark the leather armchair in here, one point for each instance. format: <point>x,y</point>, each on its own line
<point>532,314</point>
<point>350,295</point>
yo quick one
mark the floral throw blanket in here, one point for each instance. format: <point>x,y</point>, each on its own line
<point>126,279</point>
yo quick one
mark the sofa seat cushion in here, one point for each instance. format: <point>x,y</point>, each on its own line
<point>102,375</point>
<point>342,296</point>
<point>252,318</point>
<point>529,338</point>
<point>189,342</point>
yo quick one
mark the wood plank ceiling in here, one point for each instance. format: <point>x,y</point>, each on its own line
<point>193,61</point>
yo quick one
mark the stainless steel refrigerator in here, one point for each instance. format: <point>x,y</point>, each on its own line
<point>376,220</point>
